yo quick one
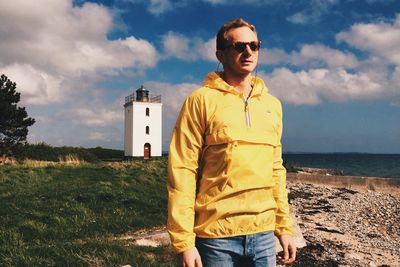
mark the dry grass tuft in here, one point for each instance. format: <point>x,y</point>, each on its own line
<point>63,160</point>
<point>38,163</point>
<point>70,159</point>
<point>7,160</point>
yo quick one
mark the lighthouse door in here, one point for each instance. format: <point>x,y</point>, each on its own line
<point>147,151</point>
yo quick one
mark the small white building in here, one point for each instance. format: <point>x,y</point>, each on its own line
<point>143,124</point>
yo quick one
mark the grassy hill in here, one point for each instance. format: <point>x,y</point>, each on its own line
<point>69,215</point>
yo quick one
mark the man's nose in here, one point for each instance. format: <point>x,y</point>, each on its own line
<point>248,50</point>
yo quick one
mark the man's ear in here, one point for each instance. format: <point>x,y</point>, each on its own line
<point>220,56</point>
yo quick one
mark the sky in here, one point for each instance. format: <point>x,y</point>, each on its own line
<point>334,64</point>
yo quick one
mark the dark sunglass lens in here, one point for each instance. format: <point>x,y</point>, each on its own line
<point>240,47</point>
<point>254,46</point>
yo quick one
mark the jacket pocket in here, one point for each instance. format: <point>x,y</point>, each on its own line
<point>227,135</point>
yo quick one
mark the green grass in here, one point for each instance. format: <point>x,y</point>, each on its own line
<point>68,215</point>
<point>45,152</point>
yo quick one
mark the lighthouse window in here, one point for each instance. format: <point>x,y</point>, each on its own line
<point>147,112</point>
<point>147,130</point>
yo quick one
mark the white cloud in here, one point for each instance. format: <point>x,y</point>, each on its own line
<point>315,85</point>
<point>216,2</point>
<point>97,116</point>
<point>290,87</point>
<point>63,130</point>
<point>36,86</point>
<point>313,12</point>
<point>188,49</point>
<point>273,56</point>
<point>298,18</point>
<point>379,1</point>
<point>177,45</point>
<point>88,121</point>
<point>334,75</point>
<point>44,47</point>
<point>243,2</point>
<point>157,7</point>
<point>98,136</point>
<point>323,55</point>
<point>143,52</point>
<point>309,55</point>
<point>379,39</point>
<point>207,49</point>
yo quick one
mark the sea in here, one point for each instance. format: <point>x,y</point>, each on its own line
<point>354,164</point>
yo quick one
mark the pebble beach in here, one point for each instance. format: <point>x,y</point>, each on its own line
<point>344,227</point>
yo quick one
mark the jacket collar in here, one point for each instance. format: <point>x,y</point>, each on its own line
<point>214,80</point>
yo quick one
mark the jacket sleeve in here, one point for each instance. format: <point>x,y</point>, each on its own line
<point>284,224</point>
<point>183,162</point>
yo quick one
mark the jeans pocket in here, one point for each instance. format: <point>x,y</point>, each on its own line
<point>220,248</point>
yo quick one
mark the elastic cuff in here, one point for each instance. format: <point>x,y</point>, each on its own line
<point>283,232</point>
<point>181,250</point>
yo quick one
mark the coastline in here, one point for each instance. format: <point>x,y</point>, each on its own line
<point>350,164</point>
<point>379,184</point>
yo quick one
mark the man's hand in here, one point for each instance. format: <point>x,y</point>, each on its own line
<point>190,258</point>
<point>289,250</point>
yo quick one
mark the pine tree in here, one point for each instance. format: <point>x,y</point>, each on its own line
<point>14,120</point>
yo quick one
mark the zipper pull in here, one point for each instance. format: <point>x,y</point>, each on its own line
<point>246,113</point>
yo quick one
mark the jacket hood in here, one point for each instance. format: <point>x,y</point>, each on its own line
<point>214,80</point>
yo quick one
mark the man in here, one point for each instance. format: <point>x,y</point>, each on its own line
<point>226,181</point>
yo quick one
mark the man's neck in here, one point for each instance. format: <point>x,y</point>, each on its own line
<point>241,83</point>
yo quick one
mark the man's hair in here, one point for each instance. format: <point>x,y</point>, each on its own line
<point>222,41</point>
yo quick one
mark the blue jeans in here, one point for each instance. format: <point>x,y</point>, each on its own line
<point>257,250</point>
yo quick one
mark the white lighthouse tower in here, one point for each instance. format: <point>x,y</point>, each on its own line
<point>143,122</point>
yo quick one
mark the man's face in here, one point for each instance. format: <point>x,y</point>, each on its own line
<point>240,63</point>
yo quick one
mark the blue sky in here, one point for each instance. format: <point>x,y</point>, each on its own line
<point>334,64</point>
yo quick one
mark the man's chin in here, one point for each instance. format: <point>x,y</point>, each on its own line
<point>247,69</point>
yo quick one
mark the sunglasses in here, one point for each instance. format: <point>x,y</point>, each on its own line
<point>241,46</point>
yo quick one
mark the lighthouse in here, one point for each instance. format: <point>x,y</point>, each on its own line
<point>143,122</point>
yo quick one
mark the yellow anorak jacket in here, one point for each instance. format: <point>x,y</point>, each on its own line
<point>225,172</point>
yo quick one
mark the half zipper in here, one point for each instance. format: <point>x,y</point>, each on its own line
<point>246,108</point>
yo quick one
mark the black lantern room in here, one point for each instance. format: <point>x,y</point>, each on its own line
<point>142,94</point>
